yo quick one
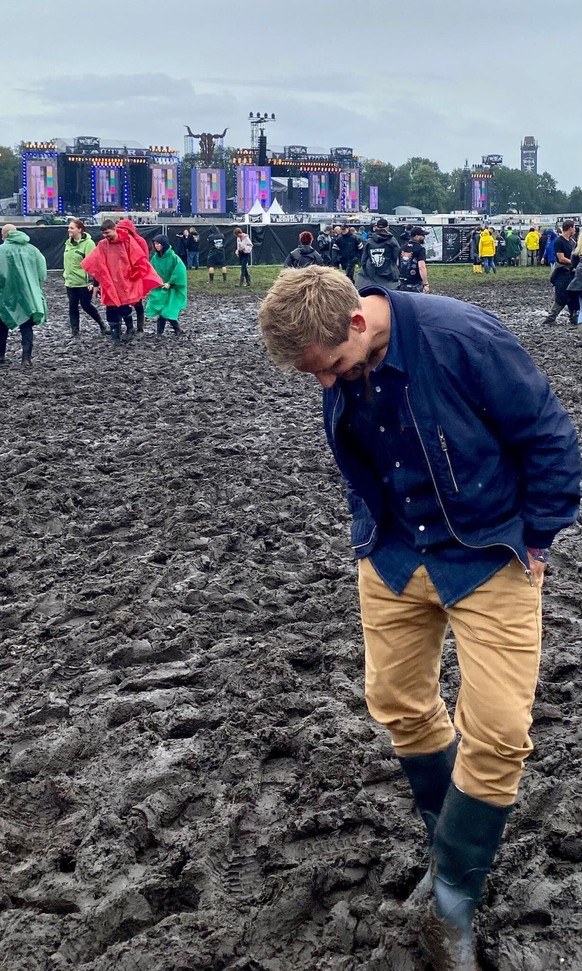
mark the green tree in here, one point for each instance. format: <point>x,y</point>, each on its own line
<point>514,190</point>
<point>380,174</point>
<point>426,188</point>
<point>550,198</point>
<point>400,187</point>
<point>457,190</point>
<point>575,200</point>
<point>9,172</point>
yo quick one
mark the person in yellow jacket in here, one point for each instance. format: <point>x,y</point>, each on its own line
<point>487,251</point>
<point>532,245</point>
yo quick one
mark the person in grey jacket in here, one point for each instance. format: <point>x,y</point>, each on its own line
<point>304,254</point>
<point>379,263</point>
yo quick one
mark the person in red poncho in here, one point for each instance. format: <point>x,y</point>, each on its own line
<point>123,272</point>
<point>139,307</point>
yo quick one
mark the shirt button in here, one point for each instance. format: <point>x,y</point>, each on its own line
<point>382,429</point>
<point>397,464</point>
<point>408,500</point>
<point>421,529</point>
<point>378,388</point>
<point>423,550</point>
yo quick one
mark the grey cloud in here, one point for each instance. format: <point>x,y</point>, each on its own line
<point>100,91</point>
<point>314,83</point>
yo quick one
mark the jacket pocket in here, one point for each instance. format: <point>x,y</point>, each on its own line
<point>445,450</point>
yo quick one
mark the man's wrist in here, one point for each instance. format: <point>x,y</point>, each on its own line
<point>541,555</point>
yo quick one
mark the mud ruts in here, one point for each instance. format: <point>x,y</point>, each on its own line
<point>189,777</point>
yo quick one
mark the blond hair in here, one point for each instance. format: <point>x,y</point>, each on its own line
<point>304,307</point>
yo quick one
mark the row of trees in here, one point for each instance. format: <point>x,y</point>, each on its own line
<point>419,182</point>
<point>9,172</point>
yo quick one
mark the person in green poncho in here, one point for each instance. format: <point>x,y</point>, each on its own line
<point>22,302</point>
<point>513,246</point>
<point>167,301</point>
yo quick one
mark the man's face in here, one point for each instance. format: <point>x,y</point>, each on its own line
<point>348,360</point>
<point>109,234</point>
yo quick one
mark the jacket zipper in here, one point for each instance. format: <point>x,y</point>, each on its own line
<point>445,449</point>
<point>471,546</point>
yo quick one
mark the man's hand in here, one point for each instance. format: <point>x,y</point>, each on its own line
<point>537,569</point>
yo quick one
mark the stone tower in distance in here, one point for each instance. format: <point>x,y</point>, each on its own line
<point>529,155</point>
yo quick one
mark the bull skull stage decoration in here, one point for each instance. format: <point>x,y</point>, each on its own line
<point>207,143</point>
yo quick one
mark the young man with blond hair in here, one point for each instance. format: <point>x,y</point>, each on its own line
<point>460,466</point>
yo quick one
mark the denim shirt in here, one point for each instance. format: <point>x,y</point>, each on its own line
<point>501,451</point>
<point>378,428</point>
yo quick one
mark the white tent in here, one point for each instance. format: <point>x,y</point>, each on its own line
<point>256,213</point>
<point>275,209</point>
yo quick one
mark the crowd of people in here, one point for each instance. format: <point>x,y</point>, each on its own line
<point>120,272</point>
<point>560,251</point>
<point>508,246</point>
<point>382,258</point>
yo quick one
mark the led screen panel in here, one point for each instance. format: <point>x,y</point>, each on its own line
<point>349,190</point>
<point>208,191</point>
<point>41,186</point>
<point>164,196</point>
<point>109,186</point>
<point>318,190</point>
<point>480,189</point>
<point>253,182</point>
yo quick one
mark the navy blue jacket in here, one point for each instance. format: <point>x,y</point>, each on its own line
<point>501,450</point>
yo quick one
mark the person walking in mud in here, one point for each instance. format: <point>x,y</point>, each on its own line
<point>22,302</point>
<point>460,466</point>
<point>167,301</point>
<point>244,248</point>
<point>216,254</point>
<point>78,284</point>
<point>138,307</point>
<point>123,274</point>
<point>562,275</point>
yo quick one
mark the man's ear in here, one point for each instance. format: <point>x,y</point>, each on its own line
<point>358,320</point>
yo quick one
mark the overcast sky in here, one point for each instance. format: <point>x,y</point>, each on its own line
<point>445,79</point>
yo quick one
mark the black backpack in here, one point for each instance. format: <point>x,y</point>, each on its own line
<point>408,266</point>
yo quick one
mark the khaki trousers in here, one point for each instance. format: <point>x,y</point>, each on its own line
<point>498,633</point>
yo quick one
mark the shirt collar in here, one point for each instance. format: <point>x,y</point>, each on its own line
<point>394,356</point>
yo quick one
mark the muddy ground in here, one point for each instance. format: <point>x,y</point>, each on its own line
<point>189,777</point>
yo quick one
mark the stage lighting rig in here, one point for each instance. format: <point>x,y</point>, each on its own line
<point>258,122</point>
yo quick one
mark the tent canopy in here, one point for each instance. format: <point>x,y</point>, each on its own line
<point>275,209</point>
<point>256,209</point>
